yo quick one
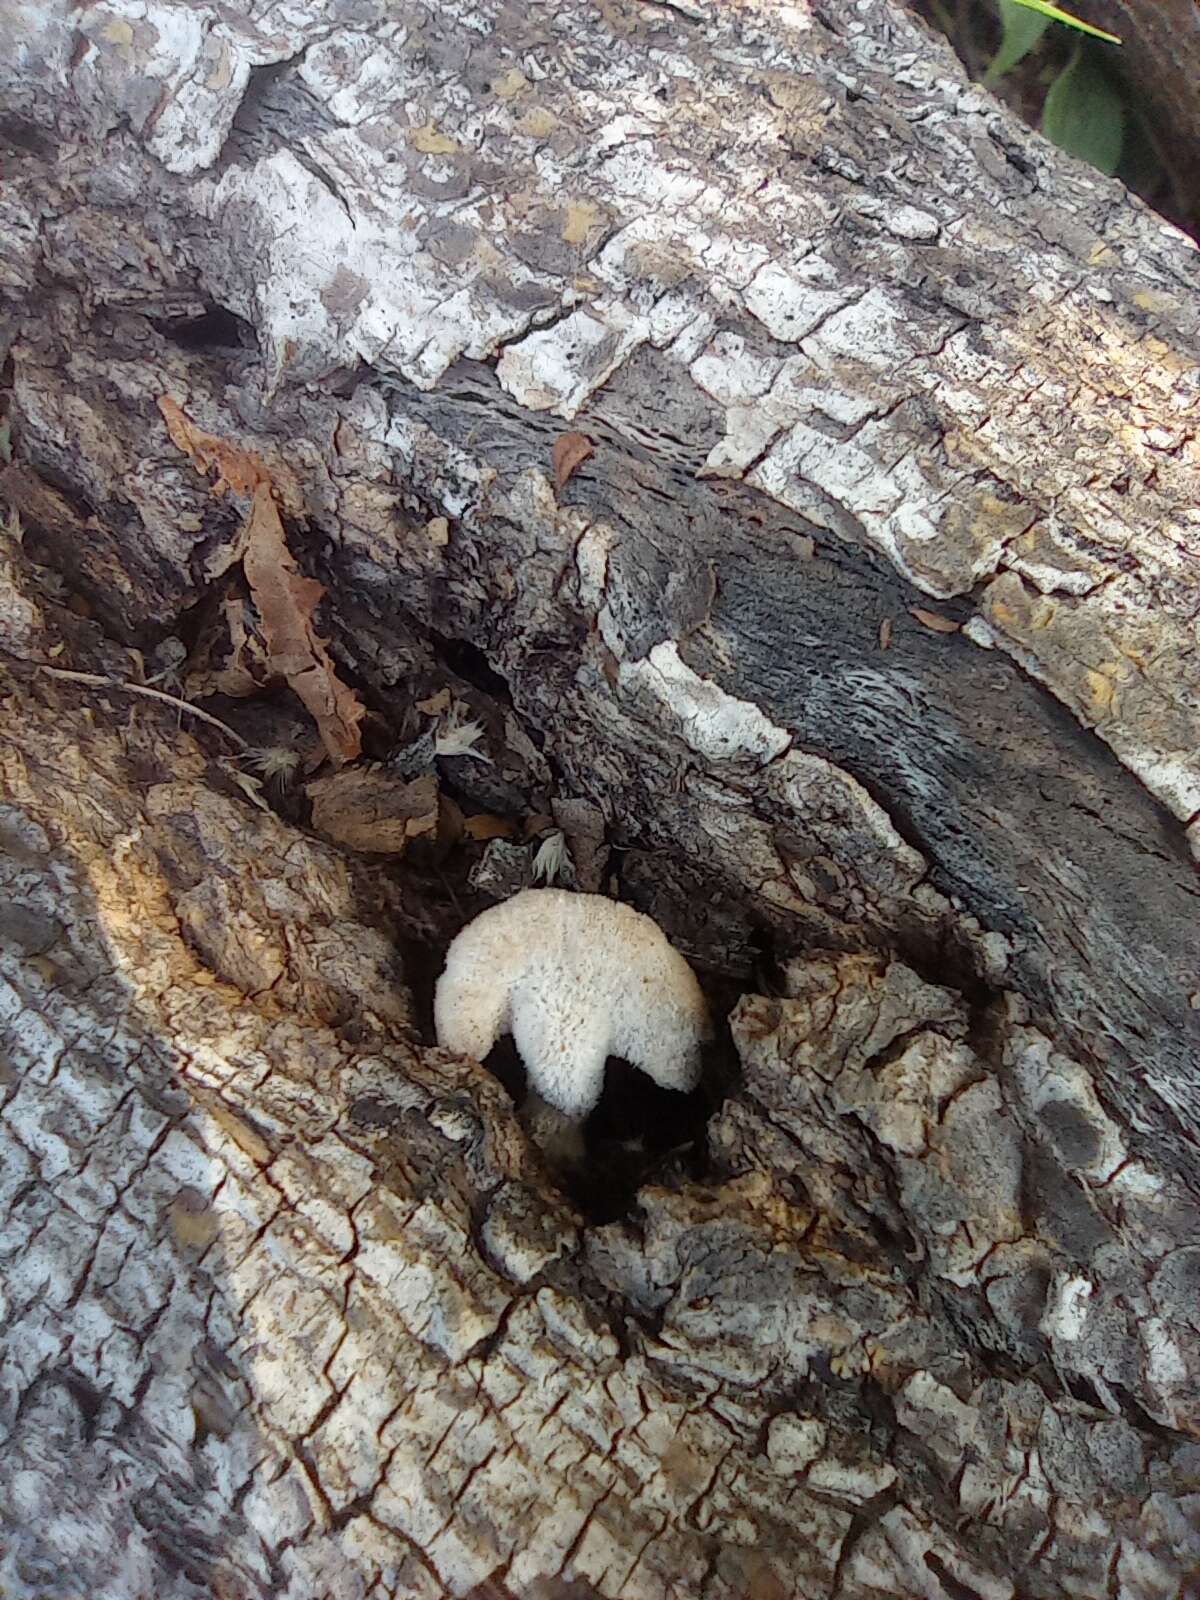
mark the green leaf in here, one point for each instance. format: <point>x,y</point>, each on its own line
<point>1023,27</point>
<point>1084,114</point>
<point>1055,14</point>
<point>1141,166</point>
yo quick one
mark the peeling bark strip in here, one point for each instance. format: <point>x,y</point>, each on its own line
<point>288,1306</point>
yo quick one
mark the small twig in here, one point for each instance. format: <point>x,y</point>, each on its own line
<point>98,680</point>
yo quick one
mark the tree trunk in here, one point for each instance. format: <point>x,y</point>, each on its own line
<point>861,650</point>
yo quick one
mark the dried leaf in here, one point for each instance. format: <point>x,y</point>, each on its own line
<point>367,808</point>
<point>250,786</point>
<point>233,682</point>
<point>570,451</point>
<point>245,647</point>
<point>458,738</point>
<point>451,822</point>
<point>885,634</point>
<point>224,556</point>
<point>286,601</point>
<point>236,469</point>
<point>484,826</point>
<point>436,704</point>
<point>934,620</point>
<point>438,529</point>
<point>551,861</point>
<point>314,760</point>
<point>277,764</point>
<point>229,655</point>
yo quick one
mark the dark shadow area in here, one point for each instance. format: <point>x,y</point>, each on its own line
<point>215,330</point>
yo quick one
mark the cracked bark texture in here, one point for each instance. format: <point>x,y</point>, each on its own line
<point>288,1305</point>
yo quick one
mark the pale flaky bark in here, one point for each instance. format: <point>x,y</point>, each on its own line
<point>869,632</point>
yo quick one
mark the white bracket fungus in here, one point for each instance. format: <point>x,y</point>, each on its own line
<point>574,978</point>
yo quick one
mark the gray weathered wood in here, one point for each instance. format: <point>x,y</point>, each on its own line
<point>290,1306</point>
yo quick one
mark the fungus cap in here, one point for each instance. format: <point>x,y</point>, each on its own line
<point>574,978</point>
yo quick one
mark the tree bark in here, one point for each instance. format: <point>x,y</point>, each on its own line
<point>865,642</point>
